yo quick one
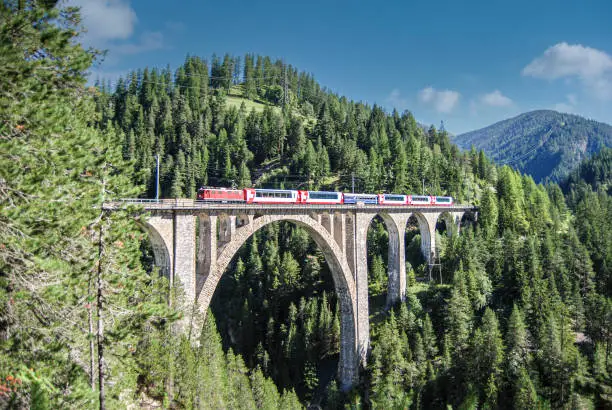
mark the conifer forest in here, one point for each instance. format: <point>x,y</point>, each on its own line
<point>518,316</point>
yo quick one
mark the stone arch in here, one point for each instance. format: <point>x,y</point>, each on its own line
<point>427,229</point>
<point>452,220</point>
<point>159,228</point>
<point>446,218</point>
<point>396,224</point>
<point>341,273</point>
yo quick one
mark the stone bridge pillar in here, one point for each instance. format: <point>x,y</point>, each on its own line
<point>185,263</point>
<point>396,227</point>
<point>173,237</point>
<point>359,241</point>
<point>207,248</point>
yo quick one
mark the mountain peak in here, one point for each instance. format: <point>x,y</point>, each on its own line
<point>545,144</point>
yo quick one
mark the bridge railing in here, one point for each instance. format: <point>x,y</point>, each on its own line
<point>173,203</point>
<point>187,203</point>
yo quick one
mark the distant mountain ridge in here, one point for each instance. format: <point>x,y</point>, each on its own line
<point>545,144</point>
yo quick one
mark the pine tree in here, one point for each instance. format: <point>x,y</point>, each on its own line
<point>488,212</point>
<point>311,380</point>
<point>57,170</point>
<point>250,85</point>
<point>525,396</point>
<point>512,202</point>
<point>377,283</point>
<point>518,355</point>
<point>487,357</point>
<point>429,338</point>
<point>459,314</point>
<point>400,169</point>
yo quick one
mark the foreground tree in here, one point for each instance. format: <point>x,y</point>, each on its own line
<point>59,248</point>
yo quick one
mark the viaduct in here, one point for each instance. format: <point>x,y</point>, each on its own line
<point>194,242</point>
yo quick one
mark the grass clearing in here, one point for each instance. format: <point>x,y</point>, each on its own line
<point>235,101</point>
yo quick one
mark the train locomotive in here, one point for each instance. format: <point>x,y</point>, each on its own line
<point>288,196</point>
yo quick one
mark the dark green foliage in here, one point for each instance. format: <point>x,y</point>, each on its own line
<point>279,307</point>
<point>205,377</point>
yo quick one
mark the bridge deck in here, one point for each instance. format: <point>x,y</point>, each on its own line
<point>194,205</point>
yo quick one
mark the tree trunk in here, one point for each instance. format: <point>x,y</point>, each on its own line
<point>100,335</point>
<point>91,340</point>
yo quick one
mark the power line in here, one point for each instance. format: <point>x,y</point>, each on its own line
<point>173,81</point>
<point>535,147</point>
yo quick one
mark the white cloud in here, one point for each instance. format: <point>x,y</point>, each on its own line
<point>591,66</point>
<point>562,60</point>
<point>443,101</point>
<point>396,100</point>
<point>149,40</point>
<point>106,19</point>
<point>568,106</point>
<point>496,99</point>
<point>111,24</point>
<point>563,107</point>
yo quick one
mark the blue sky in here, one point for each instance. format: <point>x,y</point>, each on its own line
<point>468,63</point>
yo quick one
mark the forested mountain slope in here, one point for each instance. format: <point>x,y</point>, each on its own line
<point>544,144</point>
<point>524,287</point>
<point>595,172</point>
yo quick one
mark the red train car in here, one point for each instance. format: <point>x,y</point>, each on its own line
<point>221,195</point>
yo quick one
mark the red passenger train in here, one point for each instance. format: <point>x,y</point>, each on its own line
<point>288,196</point>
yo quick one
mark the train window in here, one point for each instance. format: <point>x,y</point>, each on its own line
<point>442,199</point>
<point>394,198</point>
<point>420,198</point>
<point>323,195</point>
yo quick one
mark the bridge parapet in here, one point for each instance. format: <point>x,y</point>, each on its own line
<point>191,204</point>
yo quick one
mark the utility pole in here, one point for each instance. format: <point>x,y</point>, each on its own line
<point>285,86</point>
<point>157,179</point>
<point>353,182</point>
<point>423,186</point>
